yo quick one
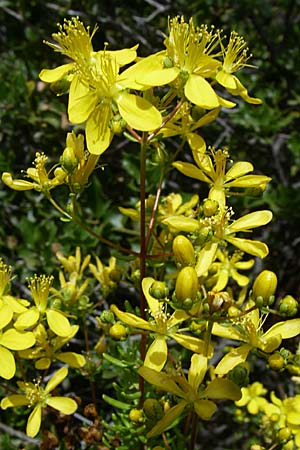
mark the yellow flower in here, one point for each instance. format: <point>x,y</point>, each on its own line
<point>73,263</point>
<point>190,391</point>
<point>11,339</point>
<point>228,267</point>
<point>288,413</point>
<point>58,323</point>
<point>107,276</point>
<point>248,329</point>
<point>187,62</point>
<point>38,397</point>
<point>48,349</point>
<point>97,90</point>
<point>212,170</point>
<point>40,177</point>
<point>162,326</point>
<point>252,397</point>
<point>219,230</point>
<point>235,57</point>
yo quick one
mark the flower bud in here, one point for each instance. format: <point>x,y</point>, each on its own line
<point>117,124</point>
<point>68,160</point>
<point>239,375</point>
<point>265,286</point>
<point>210,207</point>
<point>118,331</point>
<point>159,290</point>
<point>183,250</point>
<point>107,317</point>
<point>288,306</point>
<point>135,415</point>
<point>153,409</point>
<point>186,287</point>
<point>276,361</point>
<point>284,434</point>
<point>115,275</point>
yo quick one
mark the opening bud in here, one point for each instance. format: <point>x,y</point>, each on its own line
<point>186,288</point>
<point>183,250</point>
<point>264,288</point>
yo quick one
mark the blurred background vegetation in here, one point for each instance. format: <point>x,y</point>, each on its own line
<point>33,119</point>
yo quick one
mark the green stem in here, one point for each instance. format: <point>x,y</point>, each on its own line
<point>154,209</point>
<point>208,331</point>
<point>194,431</point>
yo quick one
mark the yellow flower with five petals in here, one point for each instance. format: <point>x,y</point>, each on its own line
<point>162,326</point>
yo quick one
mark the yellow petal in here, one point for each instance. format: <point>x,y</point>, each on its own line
<point>227,80</point>
<point>72,359</point>
<point>138,112</point>
<point>255,248</point>
<point>160,380</point>
<point>205,257</point>
<point>196,142</point>
<point>131,319</point>
<point>205,408</point>
<point>153,303</point>
<point>249,181</point>
<point>6,314</point>
<point>238,169</point>
<point>98,133</point>
<point>167,420</point>
<point>58,323</point>
<point>226,332</point>
<point>200,92</point>
<point>52,75</point>
<point>249,221</point>
<point>287,329</point>
<point>17,340</point>
<point>159,77</point>
<point>197,371</point>
<point>27,319</point>
<point>42,364</point>
<point>190,170</point>
<point>7,366</point>
<point>82,101</point>
<point>34,421</point>
<point>122,57</point>
<point>62,404</point>
<point>181,223</point>
<point>17,185</point>
<point>242,91</point>
<point>14,400</point>
<point>192,343</point>
<point>221,388</point>
<point>56,379</point>
<point>232,359</point>
<point>226,103</point>
<point>157,354</point>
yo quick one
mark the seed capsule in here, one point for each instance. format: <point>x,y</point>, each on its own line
<point>265,286</point>
<point>183,250</point>
<point>186,285</point>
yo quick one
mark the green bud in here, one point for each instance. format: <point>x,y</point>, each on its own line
<point>118,331</point>
<point>68,160</point>
<point>60,87</point>
<point>117,124</point>
<point>135,415</point>
<point>239,375</point>
<point>153,409</point>
<point>288,306</point>
<point>210,207</point>
<point>107,317</point>
<point>264,286</point>
<point>186,284</point>
<point>159,290</point>
<point>167,62</point>
<point>183,250</point>
<point>115,275</point>
<point>276,361</point>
